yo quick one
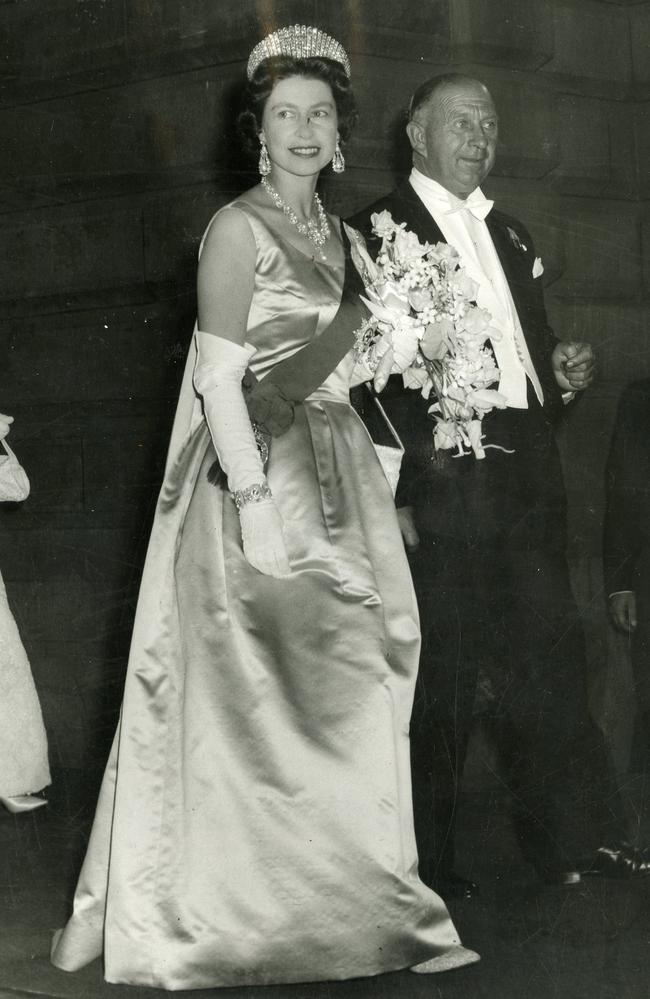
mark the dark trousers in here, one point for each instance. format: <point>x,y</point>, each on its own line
<point>640,761</point>
<point>496,607</point>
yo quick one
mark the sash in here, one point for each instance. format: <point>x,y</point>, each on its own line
<point>295,378</point>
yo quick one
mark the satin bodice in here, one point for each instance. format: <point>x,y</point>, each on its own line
<point>295,299</point>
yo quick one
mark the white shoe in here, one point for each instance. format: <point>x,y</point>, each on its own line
<point>457,957</point>
<point>22,803</point>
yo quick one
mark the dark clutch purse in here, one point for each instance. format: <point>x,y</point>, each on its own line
<point>14,484</point>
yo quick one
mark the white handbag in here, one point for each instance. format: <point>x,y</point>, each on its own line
<point>14,484</point>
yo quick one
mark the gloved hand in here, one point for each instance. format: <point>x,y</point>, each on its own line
<point>218,376</point>
<point>262,538</point>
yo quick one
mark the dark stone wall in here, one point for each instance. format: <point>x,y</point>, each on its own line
<point>117,147</point>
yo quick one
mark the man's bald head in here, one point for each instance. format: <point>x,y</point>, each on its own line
<point>430,88</point>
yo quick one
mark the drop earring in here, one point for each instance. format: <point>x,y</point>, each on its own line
<point>338,162</point>
<point>264,165</point>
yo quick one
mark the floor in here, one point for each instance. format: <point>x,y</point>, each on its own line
<point>589,941</point>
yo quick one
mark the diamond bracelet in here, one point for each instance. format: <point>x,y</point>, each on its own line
<point>251,494</point>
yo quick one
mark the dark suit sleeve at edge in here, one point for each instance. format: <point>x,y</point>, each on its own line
<point>625,499</point>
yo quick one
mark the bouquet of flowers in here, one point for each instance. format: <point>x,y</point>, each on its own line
<point>423,308</point>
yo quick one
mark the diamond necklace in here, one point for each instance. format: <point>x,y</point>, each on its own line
<point>316,233</point>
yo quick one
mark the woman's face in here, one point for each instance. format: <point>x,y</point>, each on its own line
<point>299,125</point>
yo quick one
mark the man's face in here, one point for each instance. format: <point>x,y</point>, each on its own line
<point>454,136</point>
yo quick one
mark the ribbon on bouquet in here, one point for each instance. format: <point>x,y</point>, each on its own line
<point>271,402</point>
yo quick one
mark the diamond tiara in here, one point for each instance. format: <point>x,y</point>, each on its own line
<point>300,42</point>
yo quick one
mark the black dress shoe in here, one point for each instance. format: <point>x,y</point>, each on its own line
<point>556,876</point>
<point>619,862</point>
<point>623,861</point>
<point>453,886</point>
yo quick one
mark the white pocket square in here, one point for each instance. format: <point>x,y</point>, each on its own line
<point>538,267</point>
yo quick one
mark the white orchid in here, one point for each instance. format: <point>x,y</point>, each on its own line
<point>406,337</point>
<point>484,400</point>
<point>436,339</point>
<point>418,378</point>
<point>383,224</point>
<point>463,285</point>
<point>475,437</point>
<point>420,299</point>
<point>408,247</point>
<point>445,435</point>
<point>386,300</point>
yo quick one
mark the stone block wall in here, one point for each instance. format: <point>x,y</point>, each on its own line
<point>117,126</point>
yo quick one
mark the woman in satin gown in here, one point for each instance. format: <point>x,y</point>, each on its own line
<point>255,822</point>
<point>24,767</point>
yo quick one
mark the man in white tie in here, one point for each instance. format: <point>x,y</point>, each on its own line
<point>486,538</point>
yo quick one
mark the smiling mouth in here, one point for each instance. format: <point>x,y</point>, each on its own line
<point>305,150</point>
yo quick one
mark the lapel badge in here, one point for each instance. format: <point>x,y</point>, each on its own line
<point>514,239</point>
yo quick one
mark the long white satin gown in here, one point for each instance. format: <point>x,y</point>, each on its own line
<point>255,822</point>
<point>23,743</point>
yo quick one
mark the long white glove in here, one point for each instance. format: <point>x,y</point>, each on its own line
<point>218,375</point>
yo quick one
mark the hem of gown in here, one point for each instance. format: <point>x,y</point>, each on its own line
<point>455,956</point>
<point>436,965</point>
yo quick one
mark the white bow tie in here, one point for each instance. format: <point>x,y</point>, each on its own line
<point>479,207</point>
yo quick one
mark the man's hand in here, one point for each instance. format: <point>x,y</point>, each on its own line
<point>407,526</point>
<point>622,610</point>
<point>574,366</point>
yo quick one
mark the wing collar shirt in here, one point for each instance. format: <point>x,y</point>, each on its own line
<point>463,225</point>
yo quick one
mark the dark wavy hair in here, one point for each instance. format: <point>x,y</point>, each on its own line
<point>270,72</point>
